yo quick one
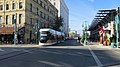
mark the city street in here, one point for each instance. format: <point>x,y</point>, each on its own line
<point>67,54</point>
<point>59,33</point>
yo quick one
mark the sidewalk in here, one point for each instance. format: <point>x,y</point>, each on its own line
<point>20,45</point>
<point>93,43</point>
<point>96,44</point>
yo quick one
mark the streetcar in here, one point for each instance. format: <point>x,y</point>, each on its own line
<point>49,36</point>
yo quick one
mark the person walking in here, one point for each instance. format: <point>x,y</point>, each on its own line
<point>78,39</point>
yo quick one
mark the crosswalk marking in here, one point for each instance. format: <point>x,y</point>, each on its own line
<point>95,57</point>
<point>22,50</point>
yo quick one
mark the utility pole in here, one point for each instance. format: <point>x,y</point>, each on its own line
<point>15,29</point>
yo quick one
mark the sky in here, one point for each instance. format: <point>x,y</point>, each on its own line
<point>85,10</point>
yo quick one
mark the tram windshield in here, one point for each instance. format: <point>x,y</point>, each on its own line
<point>43,33</point>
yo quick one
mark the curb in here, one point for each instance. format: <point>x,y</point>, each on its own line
<point>14,46</point>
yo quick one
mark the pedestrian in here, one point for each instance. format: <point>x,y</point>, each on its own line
<point>27,41</point>
<point>79,39</point>
<point>110,40</point>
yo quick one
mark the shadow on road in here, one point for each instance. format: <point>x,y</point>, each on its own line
<point>70,57</point>
<point>70,42</point>
<point>61,57</point>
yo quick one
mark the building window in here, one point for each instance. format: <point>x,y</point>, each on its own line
<point>13,18</point>
<point>37,25</point>
<point>13,6</point>
<point>7,17</point>
<point>54,3</point>
<point>44,16</point>
<point>44,6</point>
<point>43,25</point>
<point>37,1</point>
<point>48,18</point>
<point>0,19</point>
<point>30,21</point>
<point>20,5</point>
<point>30,7</point>
<point>1,7</point>
<point>41,14</point>
<point>7,6</point>
<point>41,3</point>
<point>20,18</point>
<point>48,9</point>
<point>37,11</point>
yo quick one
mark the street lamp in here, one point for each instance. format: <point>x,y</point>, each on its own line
<point>15,29</point>
<point>36,32</point>
<point>85,33</point>
<point>116,23</point>
<point>37,27</point>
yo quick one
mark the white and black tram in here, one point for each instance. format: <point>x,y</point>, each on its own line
<point>49,36</point>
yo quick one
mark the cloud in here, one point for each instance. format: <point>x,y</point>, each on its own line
<point>91,0</point>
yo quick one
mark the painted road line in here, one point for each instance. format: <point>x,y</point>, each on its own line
<point>27,51</point>
<point>16,49</point>
<point>95,57</point>
<point>1,49</point>
<point>50,63</point>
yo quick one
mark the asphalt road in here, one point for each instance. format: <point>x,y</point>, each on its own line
<point>67,54</point>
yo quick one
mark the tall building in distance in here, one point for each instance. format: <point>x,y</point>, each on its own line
<point>63,11</point>
<point>29,15</point>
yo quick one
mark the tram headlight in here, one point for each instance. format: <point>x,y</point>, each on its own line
<point>43,39</point>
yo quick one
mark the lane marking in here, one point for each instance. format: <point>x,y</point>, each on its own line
<point>27,51</point>
<point>95,57</point>
<point>1,49</point>
<point>50,63</point>
<point>54,52</point>
<point>16,49</point>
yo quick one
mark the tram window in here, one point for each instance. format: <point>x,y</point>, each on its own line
<point>48,33</point>
<point>43,32</point>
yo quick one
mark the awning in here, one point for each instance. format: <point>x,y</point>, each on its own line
<point>102,17</point>
<point>6,30</point>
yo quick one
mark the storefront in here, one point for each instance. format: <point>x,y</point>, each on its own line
<point>7,35</point>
